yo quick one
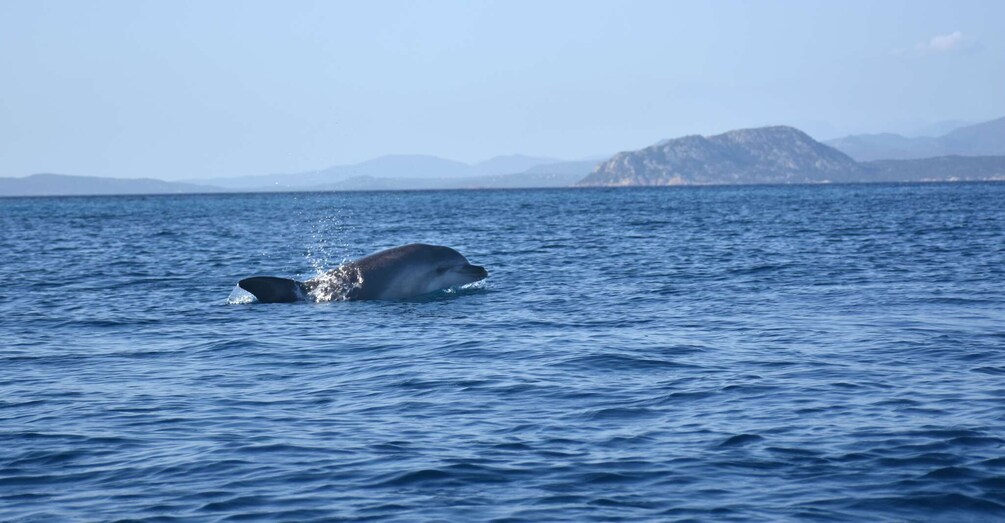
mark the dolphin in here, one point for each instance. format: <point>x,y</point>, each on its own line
<point>392,274</point>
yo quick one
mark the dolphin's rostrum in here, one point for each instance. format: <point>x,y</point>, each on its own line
<point>392,274</point>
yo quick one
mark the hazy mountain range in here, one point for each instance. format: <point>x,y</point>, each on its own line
<point>393,172</point>
<point>983,139</point>
<point>401,167</point>
<point>778,154</point>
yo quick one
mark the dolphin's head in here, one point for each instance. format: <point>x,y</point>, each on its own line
<point>412,270</point>
<point>451,269</point>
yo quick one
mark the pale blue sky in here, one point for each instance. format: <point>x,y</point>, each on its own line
<point>177,90</point>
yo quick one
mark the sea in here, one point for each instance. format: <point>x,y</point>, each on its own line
<point>762,353</point>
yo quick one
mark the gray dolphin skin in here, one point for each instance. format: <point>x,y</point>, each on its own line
<point>393,274</point>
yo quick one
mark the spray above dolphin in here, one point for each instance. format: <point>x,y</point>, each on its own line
<point>393,274</point>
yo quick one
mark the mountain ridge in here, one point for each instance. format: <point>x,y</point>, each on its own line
<point>775,154</point>
<point>397,166</point>
<point>980,139</point>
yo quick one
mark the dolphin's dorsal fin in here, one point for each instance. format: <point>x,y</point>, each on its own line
<point>268,289</point>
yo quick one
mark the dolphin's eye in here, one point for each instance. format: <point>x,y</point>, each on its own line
<point>441,270</point>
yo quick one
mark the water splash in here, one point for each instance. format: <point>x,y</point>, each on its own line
<point>239,296</point>
<point>328,244</point>
<point>474,286</point>
<point>340,284</point>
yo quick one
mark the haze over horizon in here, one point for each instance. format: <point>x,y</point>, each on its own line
<point>187,90</point>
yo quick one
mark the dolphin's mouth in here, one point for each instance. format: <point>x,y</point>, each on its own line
<point>475,271</point>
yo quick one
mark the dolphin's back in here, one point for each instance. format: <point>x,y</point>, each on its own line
<point>268,289</point>
<point>391,259</point>
<point>379,271</point>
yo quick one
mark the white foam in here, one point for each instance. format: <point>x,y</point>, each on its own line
<point>335,285</point>
<point>239,296</point>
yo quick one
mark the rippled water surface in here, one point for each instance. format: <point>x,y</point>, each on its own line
<point>830,353</point>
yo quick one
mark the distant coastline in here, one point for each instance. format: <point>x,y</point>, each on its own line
<point>543,188</point>
<point>764,155</point>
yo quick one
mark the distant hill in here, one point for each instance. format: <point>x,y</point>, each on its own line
<point>405,166</point>
<point>580,168</point>
<point>514,163</point>
<point>554,174</point>
<point>782,155</point>
<point>983,139</point>
<point>398,167</point>
<point>390,166</point>
<point>498,181</point>
<point>65,185</point>
<point>868,147</point>
<point>422,172</point>
<point>938,128</point>
<point>748,156</point>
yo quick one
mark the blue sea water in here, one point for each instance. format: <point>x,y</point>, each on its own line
<point>818,353</point>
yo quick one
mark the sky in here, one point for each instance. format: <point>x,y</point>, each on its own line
<point>193,89</point>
